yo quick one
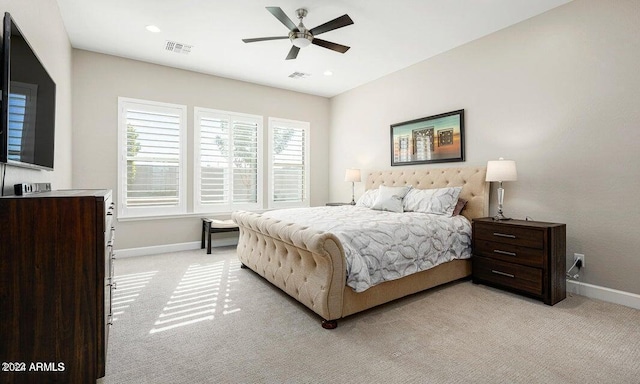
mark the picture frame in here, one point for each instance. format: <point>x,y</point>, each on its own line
<point>432,139</point>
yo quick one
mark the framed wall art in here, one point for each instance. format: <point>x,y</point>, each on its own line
<point>433,139</point>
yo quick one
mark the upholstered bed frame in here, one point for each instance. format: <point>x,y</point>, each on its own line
<point>310,265</point>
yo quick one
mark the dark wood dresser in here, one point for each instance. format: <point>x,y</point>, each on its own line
<point>56,250</point>
<point>527,257</point>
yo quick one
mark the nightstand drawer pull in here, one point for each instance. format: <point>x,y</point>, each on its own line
<point>502,273</point>
<point>504,235</point>
<point>504,252</point>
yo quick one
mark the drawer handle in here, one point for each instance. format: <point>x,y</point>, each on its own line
<point>504,235</point>
<point>504,252</point>
<point>502,273</point>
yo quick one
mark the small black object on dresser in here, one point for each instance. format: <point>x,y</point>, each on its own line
<point>527,257</point>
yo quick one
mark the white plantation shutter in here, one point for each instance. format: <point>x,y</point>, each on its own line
<point>214,162</point>
<point>245,154</point>
<point>228,160</point>
<point>152,176</point>
<point>288,163</point>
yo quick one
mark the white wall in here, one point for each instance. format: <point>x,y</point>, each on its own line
<point>559,94</point>
<point>99,79</point>
<point>41,24</point>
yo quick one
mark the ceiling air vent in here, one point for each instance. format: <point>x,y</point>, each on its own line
<point>172,46</point>
<point>299,75</point>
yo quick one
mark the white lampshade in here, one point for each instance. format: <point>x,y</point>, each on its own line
<point>352,175</point>
<point>501,170</point>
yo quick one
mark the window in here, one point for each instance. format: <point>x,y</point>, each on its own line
<point>151,153</point>
<point>288,163</point>
<point>228,161</point>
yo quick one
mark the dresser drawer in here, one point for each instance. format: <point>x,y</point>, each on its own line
<point>524,237</point>
<point>510,275</point>
<point>510,253</point>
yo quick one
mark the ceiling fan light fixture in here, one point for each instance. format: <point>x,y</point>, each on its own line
<point>301,42</point>
<point>300,39</point>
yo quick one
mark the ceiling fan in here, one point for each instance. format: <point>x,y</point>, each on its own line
<point>301,37</point>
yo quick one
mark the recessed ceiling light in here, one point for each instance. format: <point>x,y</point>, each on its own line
<point>153,28</point>
<point>328,73</point>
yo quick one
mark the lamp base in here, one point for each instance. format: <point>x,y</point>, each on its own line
<point>500,217</point>
<point>353,193</point>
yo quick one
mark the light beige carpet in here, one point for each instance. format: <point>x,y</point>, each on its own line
<point>189,317</point>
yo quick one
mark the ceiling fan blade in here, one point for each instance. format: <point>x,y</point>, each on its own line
<point>264,39</point>
<point>284,19</point>
<point>329,45</point>
<point>293,53</point>
<point>336,23</point>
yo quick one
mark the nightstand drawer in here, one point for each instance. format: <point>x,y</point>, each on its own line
<point>508,275</point>
<point>524,237</point>
<point>509,253</point>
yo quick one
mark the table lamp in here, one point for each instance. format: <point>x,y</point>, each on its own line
<point>352,175</point>
<point>501,170</point>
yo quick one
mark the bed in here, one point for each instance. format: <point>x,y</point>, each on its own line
<point>309,264</point>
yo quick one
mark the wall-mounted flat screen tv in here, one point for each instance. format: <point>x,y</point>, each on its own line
<point>27,133</point>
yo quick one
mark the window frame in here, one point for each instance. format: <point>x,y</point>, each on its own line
<point>124,103</point>
<point>198,207</point>
<point>296,124</point>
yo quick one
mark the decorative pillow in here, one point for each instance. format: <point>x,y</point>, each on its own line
<point>459,207</point>
<point>390,198</point>
<point>439,201</point>
<point>368,198</point>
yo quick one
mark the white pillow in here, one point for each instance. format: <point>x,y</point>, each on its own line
<point>439,201</point>
<point>368,198</point>
<point>390,198</point>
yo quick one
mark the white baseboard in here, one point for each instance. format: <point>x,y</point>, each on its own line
<point>602,293</point>
<point>157,249</point>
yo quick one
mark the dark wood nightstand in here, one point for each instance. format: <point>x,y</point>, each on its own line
<point>527,257</point>
<point>336,204</point>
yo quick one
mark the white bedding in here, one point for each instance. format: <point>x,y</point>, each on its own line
<point>381,246</point>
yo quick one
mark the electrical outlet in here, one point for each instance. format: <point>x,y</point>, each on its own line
<point>579,256</point>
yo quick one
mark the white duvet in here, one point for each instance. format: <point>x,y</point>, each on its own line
<point>381,246</point>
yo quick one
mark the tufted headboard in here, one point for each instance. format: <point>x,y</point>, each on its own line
<point>472,179</point>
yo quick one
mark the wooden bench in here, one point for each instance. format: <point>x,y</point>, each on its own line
<point>210,226</point>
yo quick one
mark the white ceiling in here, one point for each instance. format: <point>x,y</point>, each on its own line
<point>386,35</point>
